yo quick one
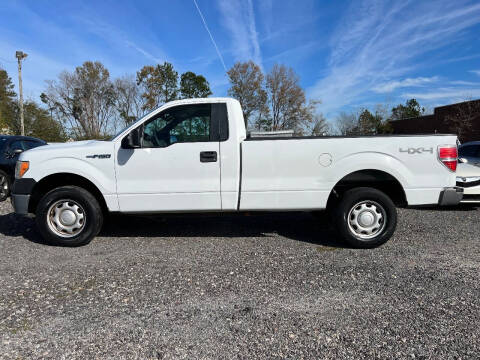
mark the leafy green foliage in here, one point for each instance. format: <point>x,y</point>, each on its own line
<point>409,110</point>
<point>194,86</point>
<point>370,124</point>
<point>40,124</point>
<point>159,83</point>
<point>7,100</point>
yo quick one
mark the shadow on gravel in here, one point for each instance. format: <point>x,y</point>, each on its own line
<point>299,226</point>
<point>460,207</point>
<point>16,225</point>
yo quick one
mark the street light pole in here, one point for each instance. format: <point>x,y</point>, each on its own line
<point>20,56</point>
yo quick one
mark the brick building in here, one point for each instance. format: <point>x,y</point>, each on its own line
<point>446,119</point>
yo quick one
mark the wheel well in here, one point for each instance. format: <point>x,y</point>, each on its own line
<point>62,179</point>
<point>376,179</point>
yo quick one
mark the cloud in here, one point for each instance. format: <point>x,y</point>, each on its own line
<point>477,72</point>
<point>112,34</point>
<point>377,41</point>
<point>143,52</point>
<point>211,36</point>
<point>451,94</point>
<point>294,52</point>
<point>239,19</point>
<point>390,86</point>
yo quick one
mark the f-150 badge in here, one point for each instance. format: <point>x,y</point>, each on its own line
<point>419,150</point>
<point>99,156</point>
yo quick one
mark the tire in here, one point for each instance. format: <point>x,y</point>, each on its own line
<point>365,217</point>
<point>69,216</point>
<point>4,186</point>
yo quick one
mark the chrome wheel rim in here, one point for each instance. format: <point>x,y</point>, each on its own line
<point>367,219</point>
<point>3,186</point>
<point>66,218</point>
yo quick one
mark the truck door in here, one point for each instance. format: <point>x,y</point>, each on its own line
<point>177,167</point>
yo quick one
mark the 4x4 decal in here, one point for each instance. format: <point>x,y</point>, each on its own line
<point>419,150</point>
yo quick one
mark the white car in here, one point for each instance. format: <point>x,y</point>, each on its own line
<point>468,177</point>
<point>195,156</point>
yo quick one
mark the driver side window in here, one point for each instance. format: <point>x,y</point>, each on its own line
<point>185,123</point>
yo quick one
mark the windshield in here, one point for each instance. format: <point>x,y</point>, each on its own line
<point>131,124</point>
<point>3,141</point>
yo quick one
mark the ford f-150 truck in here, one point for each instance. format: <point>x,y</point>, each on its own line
<point>195,156</point>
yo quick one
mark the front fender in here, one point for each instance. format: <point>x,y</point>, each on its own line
<point>101,173</point>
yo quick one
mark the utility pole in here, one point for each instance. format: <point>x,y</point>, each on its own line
<point>20,55</point>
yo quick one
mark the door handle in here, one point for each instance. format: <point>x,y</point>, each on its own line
<point>208,156</point>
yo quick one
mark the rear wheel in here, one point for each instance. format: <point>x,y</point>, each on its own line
<point>365,217</point>
<point>4,186</point>
<point>69,216</point>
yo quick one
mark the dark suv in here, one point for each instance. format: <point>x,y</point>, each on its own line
<point>10,148</point>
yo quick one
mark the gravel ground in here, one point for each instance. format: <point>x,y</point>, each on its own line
<point>264,286</point>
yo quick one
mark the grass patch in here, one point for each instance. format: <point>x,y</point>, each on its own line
<point>326,248</point>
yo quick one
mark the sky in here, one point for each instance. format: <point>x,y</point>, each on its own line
<point>348,54</point>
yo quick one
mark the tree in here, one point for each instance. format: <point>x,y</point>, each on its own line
<point>40,124</point>
<point>83,99</point>
<point>409,110</point>
<point>129,102</point>
<point>194,86</point>
<point>159,83</point>
<point>460,119</point>
<point>247,86</point>
<point>319,126</point>
<point>7,100</point>
<point>346,124</point>
<point>288,103</point>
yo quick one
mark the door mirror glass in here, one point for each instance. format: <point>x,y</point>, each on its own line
<point>132,140</point>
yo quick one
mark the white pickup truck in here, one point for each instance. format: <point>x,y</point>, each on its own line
<point>195,156</point>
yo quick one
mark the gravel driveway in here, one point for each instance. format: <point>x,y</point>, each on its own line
<point>264,286</point>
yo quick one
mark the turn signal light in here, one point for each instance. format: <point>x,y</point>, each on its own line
<point>21,168</point>
<point>448,155</point>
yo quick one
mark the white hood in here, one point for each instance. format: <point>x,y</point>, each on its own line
<point>75,149</point>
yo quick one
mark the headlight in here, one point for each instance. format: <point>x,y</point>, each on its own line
<point>21,168</point>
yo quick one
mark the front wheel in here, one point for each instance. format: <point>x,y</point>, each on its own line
<point>365,217</point>
<point>69,216</point>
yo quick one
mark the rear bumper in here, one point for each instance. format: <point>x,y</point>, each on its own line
<point>20,203</point>
<point>450,196</point>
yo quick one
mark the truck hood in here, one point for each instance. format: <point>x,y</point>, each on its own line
<point>75,149</point>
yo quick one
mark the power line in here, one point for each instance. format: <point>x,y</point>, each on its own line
<point>7,61</point>
<point>211,36</point>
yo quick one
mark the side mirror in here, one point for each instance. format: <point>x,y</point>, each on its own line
<point>462,160</point>
<point>132,140</point>
<point>17,151</point>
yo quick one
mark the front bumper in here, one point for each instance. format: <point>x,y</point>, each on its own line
<point>20,203</point>
<point>21,190</point>
<point>450,196</point>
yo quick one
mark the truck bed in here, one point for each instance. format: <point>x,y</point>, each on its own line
<point>281,173</point>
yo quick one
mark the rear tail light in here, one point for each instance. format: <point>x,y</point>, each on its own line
<point>448,155</point>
